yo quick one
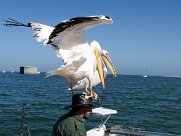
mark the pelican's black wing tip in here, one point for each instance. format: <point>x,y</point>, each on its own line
<point>11,22</point>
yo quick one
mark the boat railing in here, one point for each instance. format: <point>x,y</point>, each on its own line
<point>23,125</point>
<point>131,131</point>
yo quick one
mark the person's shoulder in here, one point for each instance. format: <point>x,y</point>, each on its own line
<point>67,119</point>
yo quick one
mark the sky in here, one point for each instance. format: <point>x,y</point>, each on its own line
<point>144,34</point>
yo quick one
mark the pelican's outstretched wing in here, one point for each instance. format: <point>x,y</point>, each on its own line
<point>68,37</point>
<point>71,32</point>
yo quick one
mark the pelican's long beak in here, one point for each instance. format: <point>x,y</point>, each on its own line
<point>99,66</point>
<point>109,64</point>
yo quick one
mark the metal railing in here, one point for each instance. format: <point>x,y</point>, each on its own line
<point>23,125</point>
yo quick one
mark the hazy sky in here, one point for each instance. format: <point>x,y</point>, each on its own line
<point>143,33</point>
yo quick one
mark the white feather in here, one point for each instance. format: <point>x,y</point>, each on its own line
<point>41,32</point>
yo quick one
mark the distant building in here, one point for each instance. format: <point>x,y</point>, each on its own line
<point>28,70</point>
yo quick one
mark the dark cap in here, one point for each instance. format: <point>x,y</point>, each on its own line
<point>80,100</point>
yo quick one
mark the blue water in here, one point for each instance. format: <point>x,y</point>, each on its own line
<point>153,103</point>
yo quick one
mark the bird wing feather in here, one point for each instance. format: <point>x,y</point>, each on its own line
<point>41,32</point>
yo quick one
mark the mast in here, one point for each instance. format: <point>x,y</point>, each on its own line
<point>145,72</point>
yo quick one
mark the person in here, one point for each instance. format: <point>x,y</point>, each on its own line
<point>73,123</point>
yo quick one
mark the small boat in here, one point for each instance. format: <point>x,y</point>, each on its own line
<point>37,72</point>
<point>3,71</point>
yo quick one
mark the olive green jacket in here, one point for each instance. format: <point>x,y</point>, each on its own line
<point>69,125</point>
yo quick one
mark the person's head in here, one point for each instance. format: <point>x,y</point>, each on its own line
<point>82,106</point>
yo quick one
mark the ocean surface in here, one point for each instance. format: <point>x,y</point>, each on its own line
<point>152,104</point>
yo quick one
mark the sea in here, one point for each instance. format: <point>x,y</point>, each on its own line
<point>151,104</point>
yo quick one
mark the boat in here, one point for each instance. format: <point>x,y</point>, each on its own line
<point>3,71</point>
<point>102,130</point>
<point>37,72</point>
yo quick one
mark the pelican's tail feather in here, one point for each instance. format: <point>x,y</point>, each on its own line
<point>67,69</point>
<point>50,73</point>
<point>59,71</point>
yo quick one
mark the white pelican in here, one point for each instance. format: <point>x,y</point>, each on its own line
<point>70,44</point>
<point>106,63</point>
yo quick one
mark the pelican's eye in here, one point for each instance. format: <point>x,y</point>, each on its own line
<point>107,17</point>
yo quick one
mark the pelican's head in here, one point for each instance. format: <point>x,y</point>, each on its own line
<point>104,19</point>
<point>91,21</point>
<point>102,58</point>
<point>108,62</point>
